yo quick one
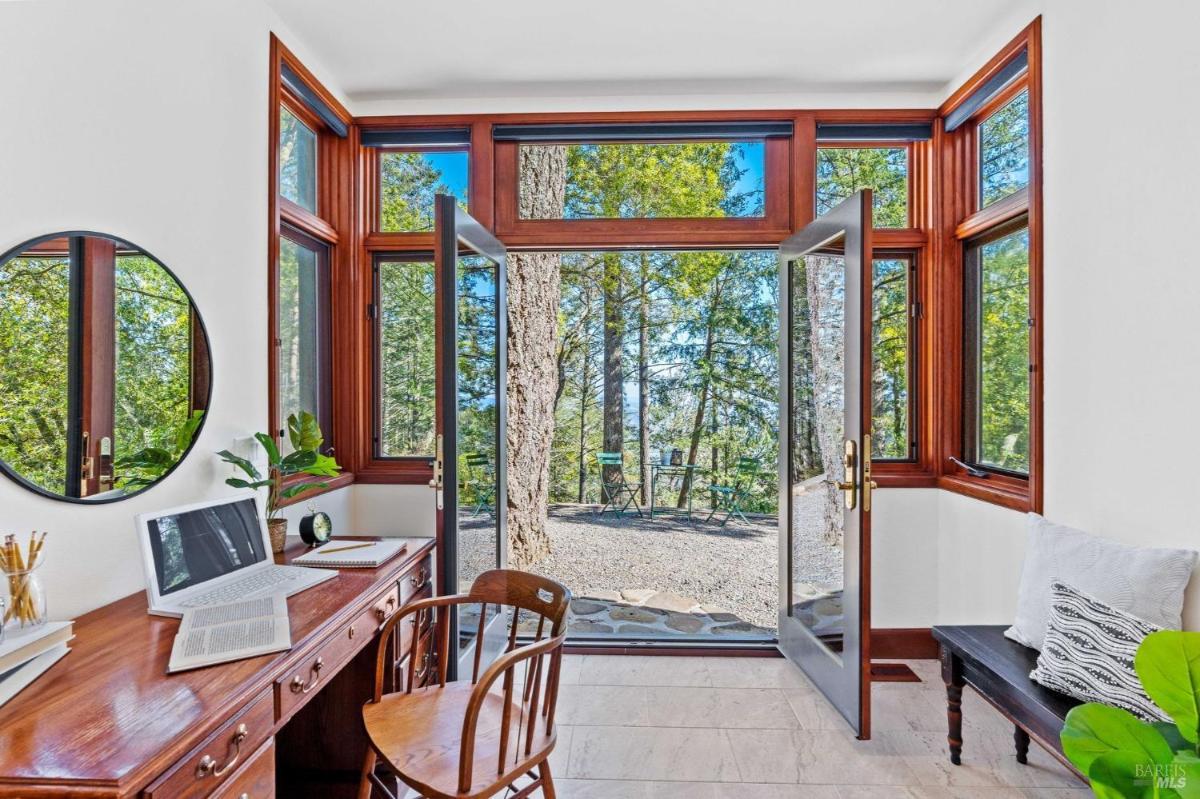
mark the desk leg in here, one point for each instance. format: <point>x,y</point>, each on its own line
<point>952,675</point>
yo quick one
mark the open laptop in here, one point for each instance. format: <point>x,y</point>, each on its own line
<point>213,553</point>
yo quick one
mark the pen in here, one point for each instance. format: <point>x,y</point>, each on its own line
<point>343,549</point>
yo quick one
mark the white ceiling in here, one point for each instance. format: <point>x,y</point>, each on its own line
<point>382,54</point>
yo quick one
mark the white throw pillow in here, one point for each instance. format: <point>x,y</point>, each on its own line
<point>1147,583</point>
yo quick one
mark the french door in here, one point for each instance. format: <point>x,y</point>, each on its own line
<point>825,464</point>
<point>469,478</point>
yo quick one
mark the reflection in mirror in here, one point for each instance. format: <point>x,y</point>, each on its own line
<point>104,367</point>
<point>818,328</point>
<point>478,376</point>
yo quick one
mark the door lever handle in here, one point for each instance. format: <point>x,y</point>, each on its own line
<point>971,470</point>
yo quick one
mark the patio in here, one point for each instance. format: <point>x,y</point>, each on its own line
<point>633,576</point>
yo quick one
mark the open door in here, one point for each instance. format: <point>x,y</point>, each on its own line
<point>469,468</point>
<point>825,473</point>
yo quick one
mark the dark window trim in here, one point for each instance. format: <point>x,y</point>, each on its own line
<point>297,85</point>
<point>895,133</point>
<point>418,139</point>
<point>649,132</point>
<point>967,109</point>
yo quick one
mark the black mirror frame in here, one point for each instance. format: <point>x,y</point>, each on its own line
<point>12,474</point>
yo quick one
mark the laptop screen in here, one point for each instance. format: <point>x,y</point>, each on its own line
<point>199,545</point>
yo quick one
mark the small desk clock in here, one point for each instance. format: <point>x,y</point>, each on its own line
<point>316,528</point>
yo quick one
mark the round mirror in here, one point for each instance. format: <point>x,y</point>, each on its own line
<point>104,367</point>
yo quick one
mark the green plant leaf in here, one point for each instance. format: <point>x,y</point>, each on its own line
<point>1170,734</point>
<point>1126,775</point>
<point>298,461</point>
<point>237,482</point>
<point>300,488</point>
<point>324,466</point>
<point>1168,664</point>
<point>1092,731</point>
<point>1187,768</point>
<point>304,431</point>
<point>240,462</point>
<point>187,431</point>
<point>271,448</point>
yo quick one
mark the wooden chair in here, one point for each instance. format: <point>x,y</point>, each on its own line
<point>464,739</point>
<point>480,478</point>
<point>614,486</point>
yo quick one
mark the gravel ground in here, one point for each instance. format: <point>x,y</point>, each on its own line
<point>734,568</point>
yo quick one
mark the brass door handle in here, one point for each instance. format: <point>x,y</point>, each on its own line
<point>300,686</point>
<point>869,485</point>
<point>848,485</point>
<point>208,765</point>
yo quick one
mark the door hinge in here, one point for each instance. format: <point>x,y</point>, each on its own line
<point>916,311</point>
<point>370,310</point>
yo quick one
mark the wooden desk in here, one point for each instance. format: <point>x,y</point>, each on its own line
<point>108,721</point>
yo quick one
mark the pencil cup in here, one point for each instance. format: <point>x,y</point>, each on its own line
<point>24,604</point>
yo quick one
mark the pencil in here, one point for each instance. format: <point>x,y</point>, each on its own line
<point>344,549</point>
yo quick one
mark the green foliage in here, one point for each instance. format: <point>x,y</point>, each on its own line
<point>1004,150</point>
<point>1004,352</point>
<point>408,182</point>
<point>890,373</point>
<point>1126,758</point>
<point>305,437</point>
<point>146,466</point>
<point>841,171</point>
<point>407,366</point>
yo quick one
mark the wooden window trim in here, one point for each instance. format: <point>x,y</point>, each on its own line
<point>333,227</point>
<point>960,220</point>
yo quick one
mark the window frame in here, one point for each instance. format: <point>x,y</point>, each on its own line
<point>416,466</point>
<point>964,222</point>
<point>331,228</point>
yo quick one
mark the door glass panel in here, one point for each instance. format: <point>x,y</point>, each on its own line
<point>818,325</point>
<point>478,366</point>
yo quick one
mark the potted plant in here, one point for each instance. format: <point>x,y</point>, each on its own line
<point>1126,758</point>
<point>304,434</point>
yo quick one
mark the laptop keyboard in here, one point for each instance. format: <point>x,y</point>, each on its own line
<point>261,582</point>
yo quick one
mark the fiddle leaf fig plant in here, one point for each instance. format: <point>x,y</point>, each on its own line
<point>1127,758</point>
<point>304,434</point>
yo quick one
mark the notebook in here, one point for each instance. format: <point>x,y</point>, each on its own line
<point>23,645</point>
<point>221,633</point>
<point>347,554</point>
<point>14,681</point>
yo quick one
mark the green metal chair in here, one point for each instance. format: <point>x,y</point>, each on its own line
<point>729,497</point>
<point>479,477</point>
<point>612,491</point>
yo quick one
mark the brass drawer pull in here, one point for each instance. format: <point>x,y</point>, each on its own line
<point>420,579</point>
<point>387,610</point>
<point>208,766</point>
<point>300,686</point>
<point>420,676</point>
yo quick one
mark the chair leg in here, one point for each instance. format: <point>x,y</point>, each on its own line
<point>547,780</point>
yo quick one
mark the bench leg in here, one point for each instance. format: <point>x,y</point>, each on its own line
<point>1021,739</point>
<point>952,675</point>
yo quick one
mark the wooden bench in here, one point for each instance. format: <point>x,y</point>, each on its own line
<point>998,669</point>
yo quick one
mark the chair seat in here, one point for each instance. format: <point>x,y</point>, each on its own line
<point>420,735</point>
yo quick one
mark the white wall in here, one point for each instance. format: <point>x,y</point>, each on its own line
<point>1122,289</point>
<point>146,120</point>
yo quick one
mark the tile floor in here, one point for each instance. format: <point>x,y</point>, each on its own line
<point>755,728</point>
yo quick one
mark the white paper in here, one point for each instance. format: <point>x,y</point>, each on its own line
<point>222,633</point>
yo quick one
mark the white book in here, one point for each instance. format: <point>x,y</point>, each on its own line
<point>349,554</point>
<point>238,630</point>
<point>12,682</point>
<point>22,644</point>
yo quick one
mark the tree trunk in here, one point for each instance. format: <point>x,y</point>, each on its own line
<point>644,377</point>
<point>614,377</point>
<point>533,302</point>
<point>828,339</point>
<point>585,391</point>
<point>698,423</point>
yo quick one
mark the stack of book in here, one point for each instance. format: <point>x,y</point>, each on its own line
<point>26,653</point>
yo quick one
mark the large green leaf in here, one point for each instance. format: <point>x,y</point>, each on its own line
<point>239,483</point>
<point>240,462</point>
<point>324,466</point>
<point>1187,770</point>
<point>304,431</point>
<point>298,461</point>
<point>300,488</point>
<point>1093,731</point>
<point>268,444</point>
<point>1127,775</point>
<point>187,431</point>
<point>1168,663</point>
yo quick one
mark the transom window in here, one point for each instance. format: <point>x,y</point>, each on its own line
<point>408,180</point>
<point>1004,151</point>
<point>297,161</point>
<point>841,171</point>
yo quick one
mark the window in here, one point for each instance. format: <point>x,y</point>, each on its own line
<point>1004,151</point>
<point>302,382</point>
<point>646,180</point>
<point>409,179</point>
<point>841,171</point>
<point>297,161</point>
<point>405,358</point>
<point>892,380</point>
<point>997,353</point>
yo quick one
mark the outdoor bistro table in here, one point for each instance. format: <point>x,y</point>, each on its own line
<point>672,471</point>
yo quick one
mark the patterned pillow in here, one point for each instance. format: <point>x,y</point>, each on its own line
<point>1088,653</point>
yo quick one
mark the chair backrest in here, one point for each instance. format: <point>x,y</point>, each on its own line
<point>528,592</point>
<point>610,458</point>
<point>481,459</point>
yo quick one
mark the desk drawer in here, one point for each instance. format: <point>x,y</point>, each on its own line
<point>213,763</point>
<point>416,579</point>
<point>294,688</point>
<point>255,780</point>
